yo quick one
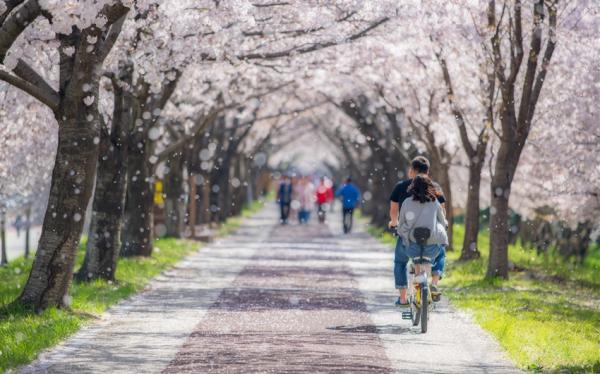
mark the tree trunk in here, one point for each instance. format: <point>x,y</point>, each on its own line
<point>104,239</point>
<point>516,125</point>
<point>104,242</point>
<point>70,191</point>
<point>215,200</point>
<point>27,230</point>
<point>3,257</point>
<point>174,196</point>
<point>470,248</point>
<point>498,261</point>
<point>139,206</point>
<point>103,246</point>
<point>192,204</point>
<point>75,165</point>
<point>506,163</point>
<point>225,196</point>
<point>205,202</point>
<point>441,175</point>
<point>251,183</point>
<point>240,190</point>
<point>138,231</point>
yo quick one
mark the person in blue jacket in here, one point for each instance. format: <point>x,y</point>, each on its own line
<point>350,196</point>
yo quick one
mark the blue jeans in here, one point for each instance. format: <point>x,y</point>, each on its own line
<point>403,254</point>
<point>439,263</point>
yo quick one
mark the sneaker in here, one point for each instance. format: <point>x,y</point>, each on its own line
<point>436,295</point>
<point>400,304</point>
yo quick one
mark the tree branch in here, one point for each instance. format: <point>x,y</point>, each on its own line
<point>50,99</point>
<point>550,46</point>
<point>10,5</point>
<point>27,73</point>
<point>296,32</point>
<point>111,37</point>
<point>14,25</point>
<point>307,49</point>
<point>532,62</point>
<point>200,125</point>
<point>460,120</point>
<point>273,4</point>
<point>517,38</point>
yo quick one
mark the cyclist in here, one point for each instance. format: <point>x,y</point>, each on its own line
<point>324,195</point>
<point>419,167</point>
<point>350,196</point>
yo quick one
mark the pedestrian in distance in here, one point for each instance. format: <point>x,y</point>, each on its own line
<point>18,224</point>
<point>350,196</point>
<point>305,198</point>
<point>284,198</point>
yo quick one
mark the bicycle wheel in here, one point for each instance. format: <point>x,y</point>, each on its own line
<point>424,308</point>
<point>414,305</point>
<point>414,311</point>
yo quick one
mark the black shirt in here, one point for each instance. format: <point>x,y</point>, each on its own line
<point>400,192</point>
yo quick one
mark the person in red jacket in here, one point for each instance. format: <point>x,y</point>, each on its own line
<point>324,197</point>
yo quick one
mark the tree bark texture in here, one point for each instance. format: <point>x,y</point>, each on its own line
<point>27,230</point>
<point>3,257</point>
<point>104,239</point>
<point>174,196</point>
<point>470,248</point>
<point>139,207</point>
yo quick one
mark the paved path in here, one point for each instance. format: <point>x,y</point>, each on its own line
<point>277,299</point>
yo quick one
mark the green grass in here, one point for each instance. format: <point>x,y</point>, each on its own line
<point>546,317</point>
<point>24,334</point>
<point>233,223</point>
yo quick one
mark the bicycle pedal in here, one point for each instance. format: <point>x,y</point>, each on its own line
<point>407,315</point>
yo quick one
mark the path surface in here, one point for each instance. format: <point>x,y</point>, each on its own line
<point>275,299</point>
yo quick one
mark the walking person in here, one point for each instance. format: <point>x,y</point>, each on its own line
<point>306,199</point>
<point>18,224</point>
<point>284,198</point>
<point>350,196</point>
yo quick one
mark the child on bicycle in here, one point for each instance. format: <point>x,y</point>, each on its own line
<point>421,209</point>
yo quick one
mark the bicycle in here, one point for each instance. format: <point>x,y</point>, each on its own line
<point>321,212</point>
<point>347,220</point>
<point>419,296</point>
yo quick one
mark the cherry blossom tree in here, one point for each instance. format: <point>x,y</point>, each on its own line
<point>517,105</point>
<point>82,35</point>
<point>558,170</point>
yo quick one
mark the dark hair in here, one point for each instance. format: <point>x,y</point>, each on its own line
<point>420,164</point>
<point>349,179</point>
<point>422,189</point>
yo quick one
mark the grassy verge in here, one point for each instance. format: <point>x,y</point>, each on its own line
<point>24,334</point>
<point>546,316</point>
<point>234,222</point>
